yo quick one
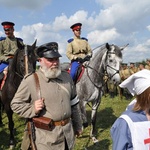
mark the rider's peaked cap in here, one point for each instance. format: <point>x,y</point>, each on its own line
<point>76,26</point>
<point>7,24</point>
<point>48,50</point>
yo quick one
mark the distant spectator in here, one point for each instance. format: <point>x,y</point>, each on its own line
<point>141,66</point>
<point>147,66</point>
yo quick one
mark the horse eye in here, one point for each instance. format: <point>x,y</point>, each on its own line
<point>109,56</point>
<point>110,60</point>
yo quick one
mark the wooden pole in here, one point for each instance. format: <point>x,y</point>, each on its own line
<point>26,59</point>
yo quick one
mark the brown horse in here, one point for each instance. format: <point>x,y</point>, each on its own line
<point>16,72</point>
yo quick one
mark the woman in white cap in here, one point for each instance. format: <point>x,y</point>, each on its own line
<point>131,131</point>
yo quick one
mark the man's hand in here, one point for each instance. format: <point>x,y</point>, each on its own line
<point>80,60</point>
<point>9,60</point>
<point>87,58</point>
<point>39,105</point>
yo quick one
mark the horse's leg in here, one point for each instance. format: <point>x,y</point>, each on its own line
<point>83,113</point>
<point>1,113</point>
<point>120,93</point>
<point>9,113</point>
<point>95,106</point>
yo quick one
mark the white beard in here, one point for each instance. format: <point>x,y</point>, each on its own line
<point>51,73</point>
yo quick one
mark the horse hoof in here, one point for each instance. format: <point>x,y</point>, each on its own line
<point>85,125</point>
<point>11,147</point>
<point>95,140</point>
<point>11,144</point>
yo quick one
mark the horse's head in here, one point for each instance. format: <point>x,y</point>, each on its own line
<point>24,60</point>
<point>113,61</point>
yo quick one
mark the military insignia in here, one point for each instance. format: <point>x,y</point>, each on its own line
<point>70,40</point>
<point>83,38</point>
<point>2,38</point>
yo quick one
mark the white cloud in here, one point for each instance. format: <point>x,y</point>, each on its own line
<point>124,15</point>
<point>148,27</point>
<point>99,37</point>
<point>117,21</point>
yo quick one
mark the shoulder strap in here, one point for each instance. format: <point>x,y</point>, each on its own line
<point>2,38</point>
<point>37,85</point>
<point>128,120</point>
<point>83,38</point>
<point>70,40</point>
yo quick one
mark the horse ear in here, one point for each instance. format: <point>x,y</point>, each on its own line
<point>34,44</point>
<point>122,48</point>
<point>107,46</point>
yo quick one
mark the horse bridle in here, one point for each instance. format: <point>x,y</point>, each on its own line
<point>117,71</point>
<point>110,77</point>
<point>99,73</point>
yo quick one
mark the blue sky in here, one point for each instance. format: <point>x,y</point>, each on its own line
<point>114,21</point>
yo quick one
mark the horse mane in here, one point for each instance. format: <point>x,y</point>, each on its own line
<point>12,68</point>
<point>118,51</point>
<point>99,56</point>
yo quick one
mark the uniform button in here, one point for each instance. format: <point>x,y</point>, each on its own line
<point>64,114</point>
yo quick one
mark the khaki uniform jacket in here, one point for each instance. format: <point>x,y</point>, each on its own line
<point>124,73</point>
<point>58,103</point>
<point>133,70</point>
<point>8,47</point>
<point>147,67</point>
<point>78,48</point>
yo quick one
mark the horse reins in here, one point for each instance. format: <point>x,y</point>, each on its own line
<point>99,73</point>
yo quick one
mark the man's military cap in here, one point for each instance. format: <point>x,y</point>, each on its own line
<point>48,50</point>
<point>124,64</point>
<point>7,24</point>
<point>147,59</point>
<point>76,26</point>
<point>132,63</point>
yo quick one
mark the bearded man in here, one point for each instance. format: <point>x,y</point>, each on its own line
<point>58,101</point>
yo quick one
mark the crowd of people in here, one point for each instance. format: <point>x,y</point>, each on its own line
<point>58,99</point>
<point>126,70</point>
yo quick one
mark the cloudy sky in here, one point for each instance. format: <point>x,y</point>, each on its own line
<point>114,21</point>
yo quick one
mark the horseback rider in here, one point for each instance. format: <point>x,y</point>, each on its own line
<point>8,46</point>
<point>78,50</point>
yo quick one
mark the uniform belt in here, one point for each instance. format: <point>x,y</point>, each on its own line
<point>61,123</point>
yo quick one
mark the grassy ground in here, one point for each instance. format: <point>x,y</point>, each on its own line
<point>108,112</point>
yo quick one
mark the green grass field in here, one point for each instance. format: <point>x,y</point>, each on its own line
<point>108,112</point>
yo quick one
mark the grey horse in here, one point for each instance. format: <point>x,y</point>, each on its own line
<point>105,61</point>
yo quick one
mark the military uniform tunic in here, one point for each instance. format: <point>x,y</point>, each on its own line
<point>59,95</point>
<point>8,47</point>
<point>78,48</point>
<point>125,73</point>
<point>147,66</point>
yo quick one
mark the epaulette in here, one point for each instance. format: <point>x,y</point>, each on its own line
<point>19,39</point>
<point>84,38</point>
<point>2,38</point>
<point>26,76</point>
<point>70,40</point>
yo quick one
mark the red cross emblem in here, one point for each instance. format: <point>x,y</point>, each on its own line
<point>147,141</point>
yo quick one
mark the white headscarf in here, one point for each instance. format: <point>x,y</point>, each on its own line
<point>138,82</point>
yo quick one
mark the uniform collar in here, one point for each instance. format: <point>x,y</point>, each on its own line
<point>76,37</point>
